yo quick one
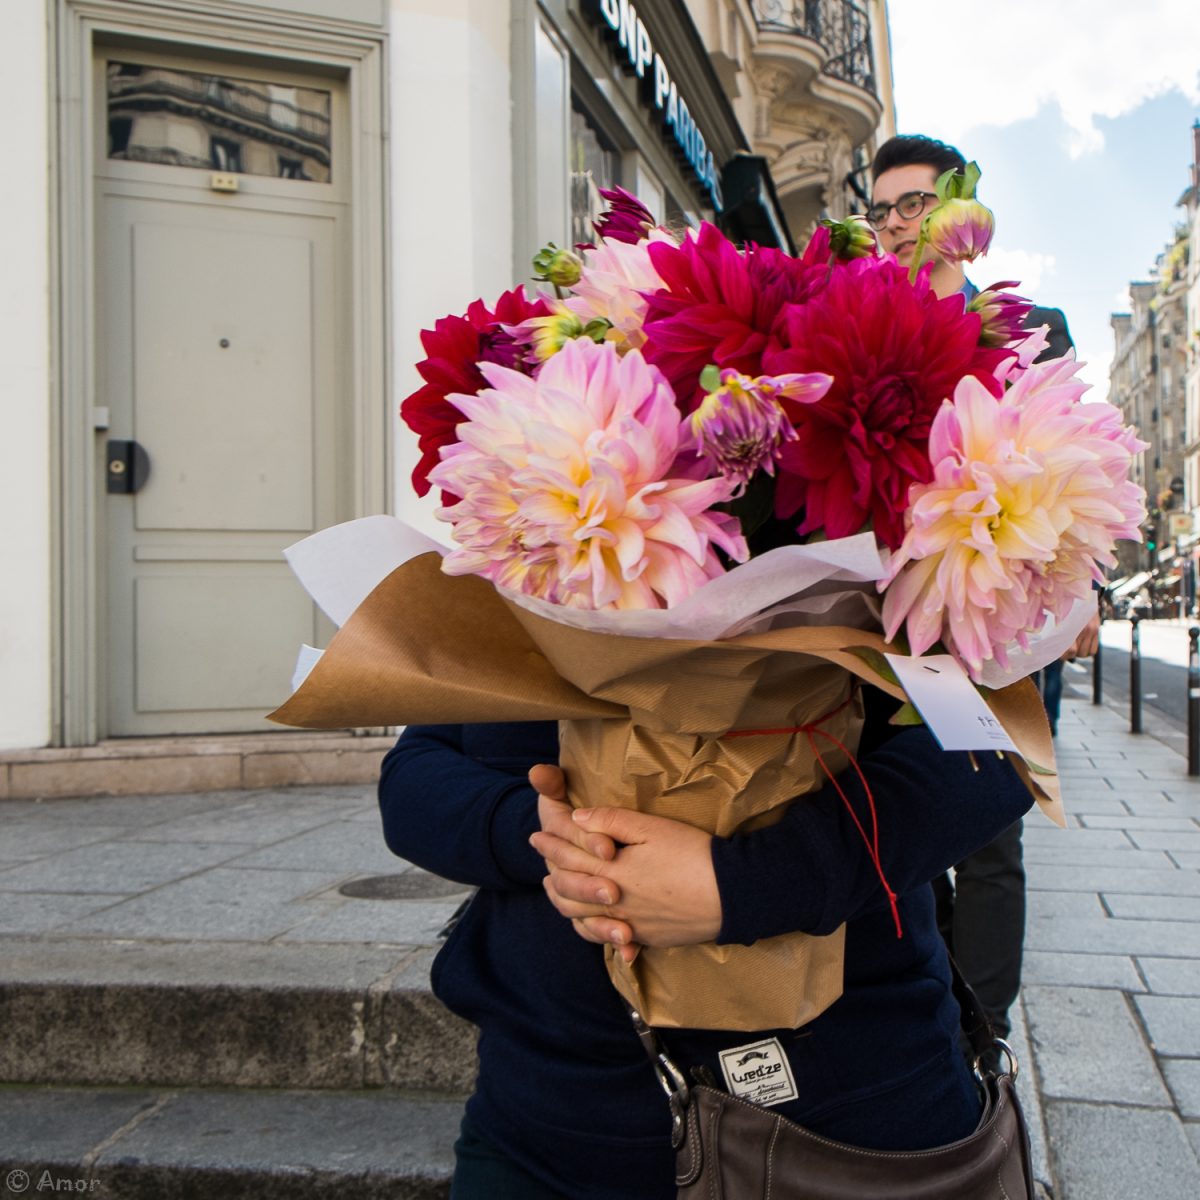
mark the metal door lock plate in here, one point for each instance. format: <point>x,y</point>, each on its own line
<point>128,467</point>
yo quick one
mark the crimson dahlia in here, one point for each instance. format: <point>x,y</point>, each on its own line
<point>454,347</point>
<point>895,352</point>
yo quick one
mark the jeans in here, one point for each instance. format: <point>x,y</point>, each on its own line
<point>1051,685</point>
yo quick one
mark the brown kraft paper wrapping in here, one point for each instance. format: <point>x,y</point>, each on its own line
<point>641,725</point>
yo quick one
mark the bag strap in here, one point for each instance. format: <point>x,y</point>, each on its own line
<point>669,1075</point>
<point>976,1024</point>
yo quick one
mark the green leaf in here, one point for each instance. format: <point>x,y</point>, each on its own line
<point>875,660</point>
<point>1037,768</point>
<point>710,378</point>
<point>906,714</point>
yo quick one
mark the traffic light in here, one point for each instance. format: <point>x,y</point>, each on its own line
<point>1150,530</point>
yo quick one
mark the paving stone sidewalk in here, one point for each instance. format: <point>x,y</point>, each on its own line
<point>276,885</point>
<point>1111,996</point>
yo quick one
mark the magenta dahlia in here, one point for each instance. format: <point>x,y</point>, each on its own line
<point>722,305</point>
<point>626,219</point>
<point>895,352</point>
<point>454,347</point>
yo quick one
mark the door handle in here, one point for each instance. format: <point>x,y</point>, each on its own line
<point>127,467</point>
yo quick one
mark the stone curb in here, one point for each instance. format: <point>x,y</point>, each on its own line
<point>291,1145</point>
<point>70,1018</point>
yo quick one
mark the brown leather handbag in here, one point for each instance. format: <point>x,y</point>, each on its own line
<point>729,1149</point>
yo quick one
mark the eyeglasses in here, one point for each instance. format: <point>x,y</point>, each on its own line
<point>908,206</point>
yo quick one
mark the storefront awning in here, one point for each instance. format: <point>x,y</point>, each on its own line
<point>1132,584</point>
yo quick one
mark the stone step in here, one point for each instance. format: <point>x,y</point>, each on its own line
<point>151,1144</point>
<point>165,765</point>
<point>345,1017</point>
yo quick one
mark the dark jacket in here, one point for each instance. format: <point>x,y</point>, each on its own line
<point>1059,336</point>
<point>564,1086</point>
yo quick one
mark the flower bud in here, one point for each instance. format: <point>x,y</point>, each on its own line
<point>563,268</point>
<point>626,219</point>
<point>546,336</point>
<point>851,238</point>
<point>1002,314</point>
<point>960,228</point>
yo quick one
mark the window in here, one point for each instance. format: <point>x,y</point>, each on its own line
<point>595,164</point>
<point>225,154</point>
<point>187,119</point>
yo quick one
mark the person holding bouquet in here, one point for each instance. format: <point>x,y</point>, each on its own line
<point>566,1105</point>
<point>696,495</point>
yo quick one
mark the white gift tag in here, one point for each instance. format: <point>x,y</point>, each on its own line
<point>759,1072</point>
<point>947,700</point>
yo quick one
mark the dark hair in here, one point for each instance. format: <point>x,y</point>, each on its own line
<point>906,149</point>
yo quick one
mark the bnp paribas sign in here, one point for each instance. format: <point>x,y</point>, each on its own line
<point>634,46</point>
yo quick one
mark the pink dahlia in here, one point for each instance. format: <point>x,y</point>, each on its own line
<point>617,276</point>
<point>1030,491</point>
<point>568,491</point>
<point>722,305</point>
<point>455,347</point>
<point>895,352</point>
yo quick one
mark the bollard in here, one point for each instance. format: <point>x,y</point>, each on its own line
<point>1096,677</point>
<point>1135,676</point>
<point>1193,683</point>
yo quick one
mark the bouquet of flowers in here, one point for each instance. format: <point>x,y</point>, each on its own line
<point>695,492</point>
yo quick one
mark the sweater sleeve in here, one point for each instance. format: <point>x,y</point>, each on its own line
<point>812,871</point>
<point>460,818</point>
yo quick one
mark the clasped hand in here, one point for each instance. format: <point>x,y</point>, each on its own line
<point>622,877</point>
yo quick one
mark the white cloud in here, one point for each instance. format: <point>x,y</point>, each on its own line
<point>1095,370</point>
<point>1027,267</point>
<point>1091,59</point>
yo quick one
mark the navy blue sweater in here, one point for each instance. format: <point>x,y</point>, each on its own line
<point>564,1087</point>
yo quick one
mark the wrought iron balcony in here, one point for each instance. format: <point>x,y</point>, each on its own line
<point>841,28</point>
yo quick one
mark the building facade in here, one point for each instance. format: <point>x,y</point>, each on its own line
<point>1154,381</point>
<point>1133,387</point>
<point>1188,362</point>
<point>236,219</point>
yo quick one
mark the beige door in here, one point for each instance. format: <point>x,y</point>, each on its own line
<point>221,226</point>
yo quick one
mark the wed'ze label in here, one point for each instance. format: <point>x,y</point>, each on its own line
<point>759,1072</point>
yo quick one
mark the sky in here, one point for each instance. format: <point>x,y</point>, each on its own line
<point>1079,113</point>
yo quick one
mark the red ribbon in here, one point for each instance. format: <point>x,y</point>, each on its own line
<point>872,841</point>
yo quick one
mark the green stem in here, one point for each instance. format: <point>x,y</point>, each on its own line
<point>916,261</point>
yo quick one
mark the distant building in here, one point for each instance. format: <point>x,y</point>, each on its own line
<point>1155,381</point>
<point>232,220</point>
<point>1188,345</point>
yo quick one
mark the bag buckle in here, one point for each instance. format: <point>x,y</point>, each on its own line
<point>669,1076</point>
<point>1009,1053</point>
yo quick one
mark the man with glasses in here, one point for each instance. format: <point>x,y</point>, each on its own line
<point>981,913</point>
<point>905,173</point>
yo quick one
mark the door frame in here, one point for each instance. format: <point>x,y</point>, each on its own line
<point>217,28</point>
